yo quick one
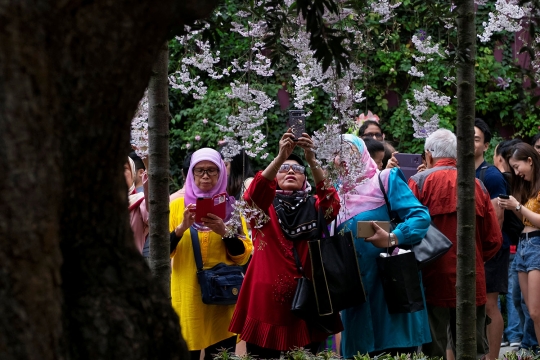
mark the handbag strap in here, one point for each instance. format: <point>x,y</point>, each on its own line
<point>392,218</point>
<point>381,185</point>
<point>321,224</point>
<point>299,266</point>
<point>196,248</point>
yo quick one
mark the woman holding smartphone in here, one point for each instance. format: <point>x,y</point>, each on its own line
<point>263,316</point>
<point>203,326</point>
<point>367,326</point>
<point>525,202</point>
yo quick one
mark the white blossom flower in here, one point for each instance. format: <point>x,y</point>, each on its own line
<point>139,128</point>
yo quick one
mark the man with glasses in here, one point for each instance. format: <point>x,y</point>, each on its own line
<point>372,129</point>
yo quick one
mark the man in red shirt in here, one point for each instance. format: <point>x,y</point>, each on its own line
<point>436,188</point>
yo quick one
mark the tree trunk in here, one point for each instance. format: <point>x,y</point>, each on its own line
<point>158,131</point>
<point>466,271</point>
<point>72,284</point>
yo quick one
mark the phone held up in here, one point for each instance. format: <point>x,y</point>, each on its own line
<point>504,196</point>
<point>297,122</point>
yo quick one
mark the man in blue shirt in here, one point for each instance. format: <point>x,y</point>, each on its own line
<point>496,268</point>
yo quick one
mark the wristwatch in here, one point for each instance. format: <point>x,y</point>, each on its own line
<point>392,239</point>
<point>518,207</point>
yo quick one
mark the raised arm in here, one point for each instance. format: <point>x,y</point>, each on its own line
<point>306,143</point>
<point>286,147</point>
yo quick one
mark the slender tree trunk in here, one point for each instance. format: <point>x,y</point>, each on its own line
<point>466,271</point>
<point>158,131</point>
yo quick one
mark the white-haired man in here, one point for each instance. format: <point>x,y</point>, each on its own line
<point>436,188</point>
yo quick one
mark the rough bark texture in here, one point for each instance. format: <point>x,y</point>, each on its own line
<point>158,126</point>
<point>466,273</point>
<point>72,284</point>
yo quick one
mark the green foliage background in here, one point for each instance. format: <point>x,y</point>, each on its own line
<point>386,54</point>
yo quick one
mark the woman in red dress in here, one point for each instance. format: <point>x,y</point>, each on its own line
<point>263,317</point>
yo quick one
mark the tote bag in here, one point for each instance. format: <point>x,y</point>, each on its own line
<point>401,283</point>
<point>336,273</point>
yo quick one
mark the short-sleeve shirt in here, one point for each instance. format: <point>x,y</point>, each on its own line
<point>495,184</point>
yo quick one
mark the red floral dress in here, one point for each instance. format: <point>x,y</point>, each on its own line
<point>263,316</point>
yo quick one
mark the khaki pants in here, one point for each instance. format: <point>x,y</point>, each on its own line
<point>440,319</point>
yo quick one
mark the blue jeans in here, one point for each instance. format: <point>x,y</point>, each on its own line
<point>514,330</point>
<point>528,339</point>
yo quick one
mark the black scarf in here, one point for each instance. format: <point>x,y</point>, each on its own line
<point>297,215</point>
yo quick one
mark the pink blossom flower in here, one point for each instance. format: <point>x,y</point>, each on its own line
<point>205,121</point>
<point>223,142</point>
<point>370,116</point>
<point>197,137</point>
<point>188,145</point>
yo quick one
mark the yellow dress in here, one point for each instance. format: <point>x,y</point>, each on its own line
<point>202,325</point>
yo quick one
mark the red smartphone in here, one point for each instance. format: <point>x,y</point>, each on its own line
<point>216,205</point>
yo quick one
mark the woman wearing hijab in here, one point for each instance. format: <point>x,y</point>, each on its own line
<point>263,316</point>
<point>203,326</point>
<point>138,210</point>
<point>369,327</point>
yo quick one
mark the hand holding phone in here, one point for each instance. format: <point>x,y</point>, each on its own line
<point>504,196</point>
<point>297,123</point>
<point>216,205</point>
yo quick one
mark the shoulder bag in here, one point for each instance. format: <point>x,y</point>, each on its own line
<point>305,307</point>
<point>434,245</point>
<point>221,284</point>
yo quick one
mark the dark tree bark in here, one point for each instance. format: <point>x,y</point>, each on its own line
<point>158,126</point>
<point>466,271</point>
<point>72,284</point>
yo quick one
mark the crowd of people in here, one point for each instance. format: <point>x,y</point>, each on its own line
<point>507,244</point>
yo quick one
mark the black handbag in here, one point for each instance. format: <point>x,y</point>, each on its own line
<point>434,244</point>
<point>337,281</point>
<point>401,283</point>
<point>304,304</point>
<point>221,284</point>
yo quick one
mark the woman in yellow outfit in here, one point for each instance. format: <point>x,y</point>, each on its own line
<point>203,326</point>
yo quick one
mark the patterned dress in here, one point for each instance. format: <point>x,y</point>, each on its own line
<point>262,315</point>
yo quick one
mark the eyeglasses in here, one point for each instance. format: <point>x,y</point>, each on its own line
<point>210,172</point>
<point>298,169</point>
<point>377,136</point>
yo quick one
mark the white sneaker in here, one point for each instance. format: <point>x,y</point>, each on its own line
<point>504,343</point>
<point>515,344</point>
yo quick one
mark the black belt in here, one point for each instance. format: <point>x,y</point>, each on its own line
<point>529,234</point>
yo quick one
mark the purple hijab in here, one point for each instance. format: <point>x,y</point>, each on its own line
<point>193,192</point>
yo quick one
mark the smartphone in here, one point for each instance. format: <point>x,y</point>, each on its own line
<point>408,163</point>
<point>216,205</point>
<point>504,196</point>
<point>297,122</point>
<point>365,230</point>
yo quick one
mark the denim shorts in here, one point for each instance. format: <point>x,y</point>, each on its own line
<point>528,252</point>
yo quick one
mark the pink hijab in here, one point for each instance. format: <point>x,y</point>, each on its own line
<point>366,196</point>
<point>192,192</point>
